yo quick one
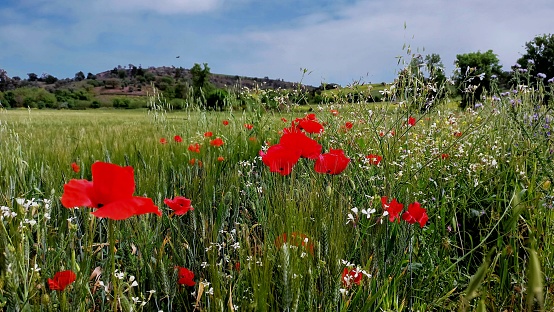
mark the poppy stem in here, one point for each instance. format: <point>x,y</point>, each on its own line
<point>111,259</point>
<point>63,303</point>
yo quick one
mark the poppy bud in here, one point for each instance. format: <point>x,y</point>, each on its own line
<point>352,184</point>
<point>45,299</point>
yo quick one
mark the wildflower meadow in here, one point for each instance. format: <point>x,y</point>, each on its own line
<point>370,206</point>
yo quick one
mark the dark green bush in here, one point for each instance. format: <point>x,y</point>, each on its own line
<point>216,99</point>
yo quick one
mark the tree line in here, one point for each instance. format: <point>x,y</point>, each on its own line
<point>476,73</point>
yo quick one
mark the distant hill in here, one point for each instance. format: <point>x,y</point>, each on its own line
<point>218,80</point>
<point>131,82</point>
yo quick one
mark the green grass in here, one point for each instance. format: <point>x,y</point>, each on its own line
<point>487,193</point>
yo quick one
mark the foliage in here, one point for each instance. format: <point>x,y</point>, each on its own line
<point>49,79</point>
<point>32,77</point>
<point>80,76</point>
<point>421,83</point>
<point>538,61</point>
<point>201,78</point>
<point>216,99</point>
<point>539,56</point>
<point>473,76</point>
<point>31,97</point>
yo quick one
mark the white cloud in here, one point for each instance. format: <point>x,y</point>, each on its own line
<point>366,37</point>
<point>160,6</point>
<point>337,42</point>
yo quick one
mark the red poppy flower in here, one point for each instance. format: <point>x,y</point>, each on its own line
<point>185,277</point>
<point>444,156</point>
<point>334,112</point>
<point>178,139</point>
<point>110,192</point>
<point>192,161</point>
<point>220,158</point>
<point>415,214</point>
<point>163,141</point>
<point>393,208</point>
<point>348,125</point>
<point>179,204</point>
<point>310,126</point>
<point>61,280</point>
<point>75,167</point>
<point>280,158</point>
<point>249,126</point>
<point>298,140</point>
<point>195,148</point>
<point>411,121</point>
<point>283,119</point>
<point>374,159</point>
<point>225,122</point>
<point>310,116</point>
<point>351,277</point>
<point>457,134</point>
<point>333,162</point>
<point>216,142</point>
<point>208,134</point>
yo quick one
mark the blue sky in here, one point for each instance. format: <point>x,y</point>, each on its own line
<point>337,41</point>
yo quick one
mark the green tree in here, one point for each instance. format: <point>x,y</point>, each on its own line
<point>80,76</point>
<point>216,99</point>
<point>422,82</point>
<point>200,78</point>
<point>5,80</point>
<point>122,74</point>
<point>539,56</point>
<point>178,72</point>
<point>32,76</point>
<point>539,61</point>
<point>474,73</point>
<point>181,90</point>
<point>32,97</point>
<point>112,83</point>
<point>49,79</point>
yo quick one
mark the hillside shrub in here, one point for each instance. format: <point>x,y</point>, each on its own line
<point>216,99</point>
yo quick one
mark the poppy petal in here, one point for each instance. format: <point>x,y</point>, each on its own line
<point>333,162</point>
<point>281,159</point>
<point>179,204</point>
<point>61,280</point>
<point>78,193</point>
<point>186,277</point>
<point>127,208</point>
<point>112,182</point>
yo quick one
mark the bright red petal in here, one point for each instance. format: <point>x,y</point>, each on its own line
<point>186,277</point>
<point>423,220</point>
<point>310,126</point>
<point>333,162</point>
<point>127,208</point>
<point>406,216</point>
<point>179,204</point>
<point>298,140</point>
<point>61,280</point>
<point>78,193</point>
<point>112,182</point>
<point>281,159</point>
<point>53,285</point>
